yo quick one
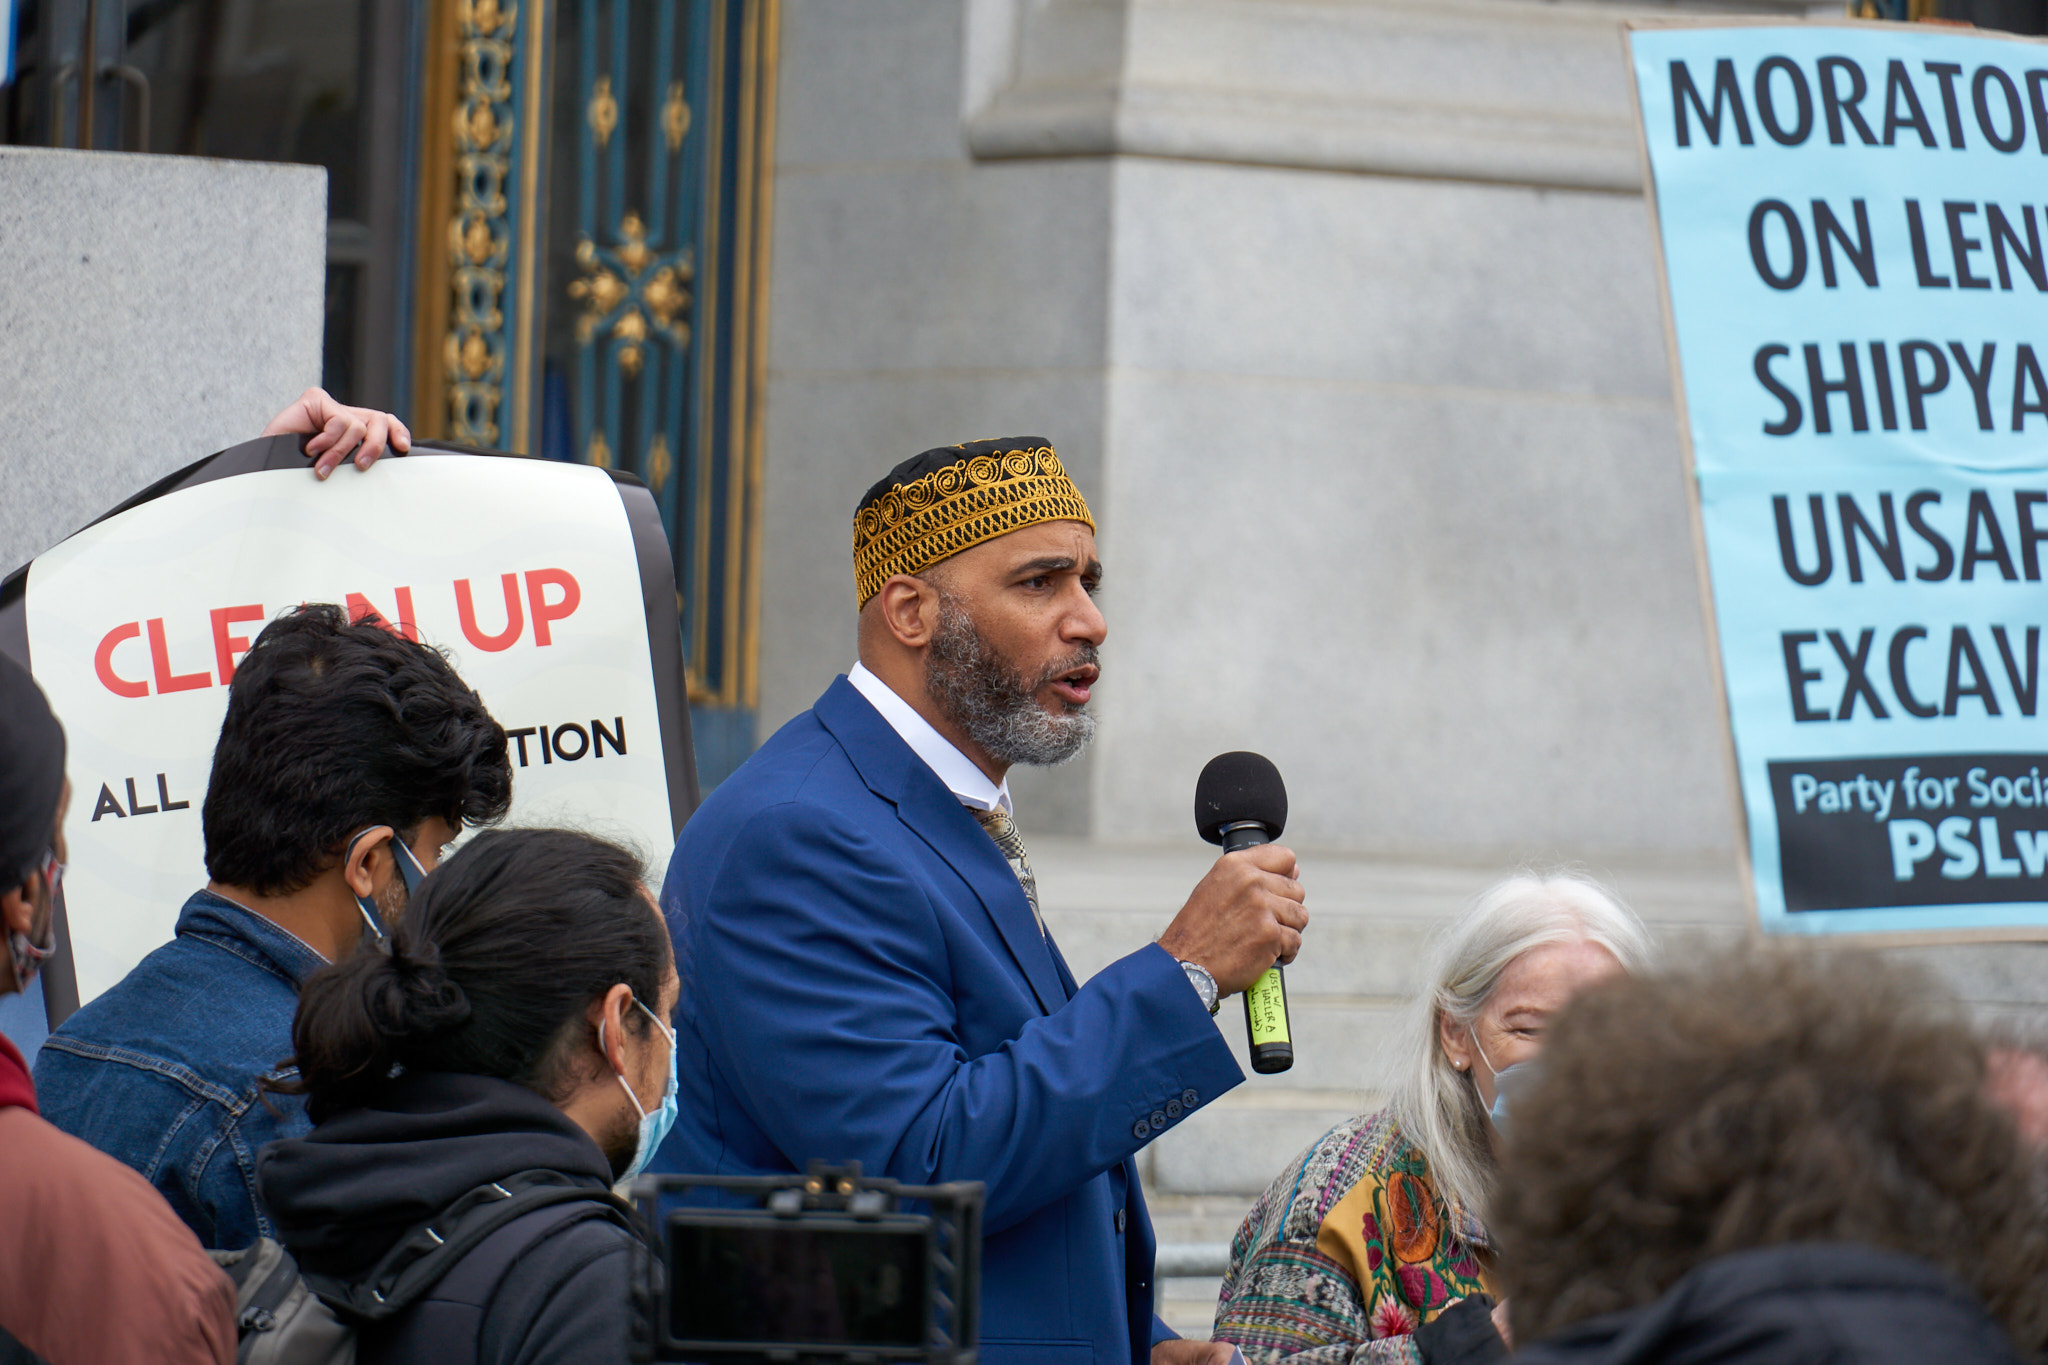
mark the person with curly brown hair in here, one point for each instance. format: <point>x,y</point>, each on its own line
<point>1776,1157</point>
<point>2016,1062</point>
<point>1372,1248</point>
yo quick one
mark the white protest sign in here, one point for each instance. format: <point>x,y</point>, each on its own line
<point>523,572</point>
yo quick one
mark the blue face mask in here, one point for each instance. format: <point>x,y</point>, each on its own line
<point>409,871</point>
<point>655,1123</point>
<point>1509,1079</point>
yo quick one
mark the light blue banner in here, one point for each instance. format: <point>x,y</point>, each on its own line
<point>1854,222</point>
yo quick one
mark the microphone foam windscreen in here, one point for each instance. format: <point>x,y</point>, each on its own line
<point>1239,786</point>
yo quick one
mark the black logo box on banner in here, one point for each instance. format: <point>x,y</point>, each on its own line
<point>1912,830</point>
<point>658,601</point>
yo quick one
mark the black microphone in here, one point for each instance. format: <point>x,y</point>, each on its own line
<point>1240,802</point>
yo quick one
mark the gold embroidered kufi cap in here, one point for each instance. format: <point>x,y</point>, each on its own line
<point>934,505</point>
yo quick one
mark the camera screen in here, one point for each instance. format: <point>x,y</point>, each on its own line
<point>748,1280</point>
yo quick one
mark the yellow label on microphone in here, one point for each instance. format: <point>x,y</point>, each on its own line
<point>1266,1009</point>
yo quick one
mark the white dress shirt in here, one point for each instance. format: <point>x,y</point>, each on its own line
<point>952,767</point>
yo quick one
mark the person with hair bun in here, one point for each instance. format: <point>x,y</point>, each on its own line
<point>1372,1248</point>
<point>516,1021</point>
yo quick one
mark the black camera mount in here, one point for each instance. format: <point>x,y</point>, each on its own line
<point>827,1266</point>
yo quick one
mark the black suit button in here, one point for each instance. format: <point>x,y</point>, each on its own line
<point>1190,1098</point>
<point>1141,1130</point>
<point>1120,1220</point>
<point>1158,1118</point>
<point>1173,1109</point>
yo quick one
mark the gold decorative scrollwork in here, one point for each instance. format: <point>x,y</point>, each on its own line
<point>633,250</point>
<point>675,117</point>
<point>487,16</point>
<point>620,288</point>
<point>597,289</point>
<point>600,451</point>
<point>660,464</point>
<point>479,238</point>
<point>631,329</point>
<point>604,111</point>
<point>667,296</point>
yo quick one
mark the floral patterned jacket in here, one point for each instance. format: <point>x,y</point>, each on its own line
<point>1347,1253</point>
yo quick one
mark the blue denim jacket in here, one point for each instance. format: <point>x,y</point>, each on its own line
<point>162,1072</point>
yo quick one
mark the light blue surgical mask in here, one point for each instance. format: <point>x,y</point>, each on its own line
<point>1515,1076</point>
<point>409,872</point>
<point>655,1123</point>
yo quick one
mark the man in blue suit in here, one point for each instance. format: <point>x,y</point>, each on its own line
<point>866,975</point>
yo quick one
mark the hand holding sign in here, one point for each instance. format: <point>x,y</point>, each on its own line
<point>338,429</point>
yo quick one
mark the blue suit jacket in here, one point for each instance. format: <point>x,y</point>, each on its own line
<point>863,980</point>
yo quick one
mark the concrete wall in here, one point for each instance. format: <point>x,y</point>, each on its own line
<point>1395,497</point>
<point>917,299</point>
<point>153,309</point>
<point>1347,320</point>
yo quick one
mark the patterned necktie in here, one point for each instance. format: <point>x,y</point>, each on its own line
<point>1003,830</point>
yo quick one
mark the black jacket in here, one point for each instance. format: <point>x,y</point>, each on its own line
<point>1793,1305</point>
<point>550,1286</point>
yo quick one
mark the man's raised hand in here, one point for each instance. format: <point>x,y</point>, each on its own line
<point>338,430</point>
<point>1243,917</point>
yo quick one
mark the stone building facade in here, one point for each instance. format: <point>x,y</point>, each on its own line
<point>1346,318</point>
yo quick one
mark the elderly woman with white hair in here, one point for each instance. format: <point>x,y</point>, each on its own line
<point>1372,1247</point>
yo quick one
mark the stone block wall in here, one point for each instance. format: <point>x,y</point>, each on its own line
<point>1346,318</point>
<point>155,309</point>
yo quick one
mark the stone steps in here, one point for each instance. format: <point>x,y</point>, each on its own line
<point>1188,1303</point>
<point>1184,1223</point>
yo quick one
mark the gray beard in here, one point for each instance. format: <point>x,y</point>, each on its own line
<point>977,689</point>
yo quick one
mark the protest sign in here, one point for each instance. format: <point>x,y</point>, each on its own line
<point>1851,224</point>
<point>547,585</point>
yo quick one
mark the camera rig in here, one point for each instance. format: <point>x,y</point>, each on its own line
<point>827,1266</point>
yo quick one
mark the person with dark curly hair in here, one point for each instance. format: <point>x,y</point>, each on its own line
<point>1776,1157</point>
<point>348,758</point>
<point>513,1035</point>
<point>1373,1247</point>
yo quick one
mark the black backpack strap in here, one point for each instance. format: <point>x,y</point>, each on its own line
<point>430,1250</point>
<point>512,1278</point>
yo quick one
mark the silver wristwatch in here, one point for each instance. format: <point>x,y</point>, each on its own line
<point>1204,984</point>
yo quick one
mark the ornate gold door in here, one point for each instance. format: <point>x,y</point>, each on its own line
<point>595,193</point>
